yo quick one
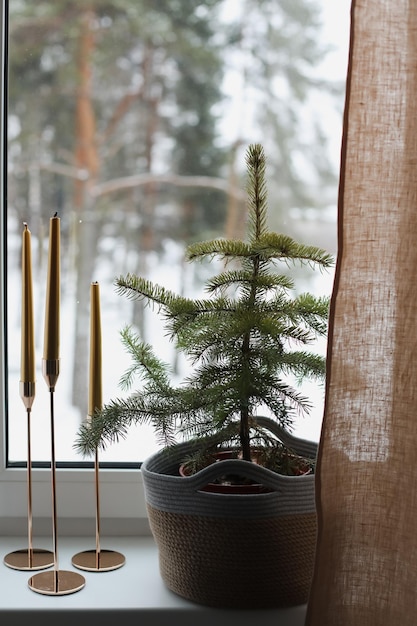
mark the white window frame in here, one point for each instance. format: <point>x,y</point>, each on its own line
<point>122,502</point>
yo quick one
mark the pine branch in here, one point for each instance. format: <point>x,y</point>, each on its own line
<point>285,248</point>
<point>256,192</point>
<point>265,282</point>
<point>221,248</point>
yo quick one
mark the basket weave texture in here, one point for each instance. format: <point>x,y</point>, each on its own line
<point>228,550</point>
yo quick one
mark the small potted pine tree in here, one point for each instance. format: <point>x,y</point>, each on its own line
<point>246,344</point>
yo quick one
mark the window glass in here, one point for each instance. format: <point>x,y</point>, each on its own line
<point>130,120</point>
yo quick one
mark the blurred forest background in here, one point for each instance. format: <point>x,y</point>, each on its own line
<point>130,118</point>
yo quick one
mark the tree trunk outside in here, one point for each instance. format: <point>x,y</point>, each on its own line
<point>85,229</point>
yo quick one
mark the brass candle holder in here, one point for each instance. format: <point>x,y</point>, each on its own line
<point>55,582</point>
<point>29,558</point>
<point>98,560</point>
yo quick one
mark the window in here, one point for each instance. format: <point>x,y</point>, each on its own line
<point>126,205</point>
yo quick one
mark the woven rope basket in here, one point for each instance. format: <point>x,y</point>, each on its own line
<point>228,550</point>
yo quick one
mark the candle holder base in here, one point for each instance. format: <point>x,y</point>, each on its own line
<point>56,583</point>
<point>27,559</point>
<point>98,561</point>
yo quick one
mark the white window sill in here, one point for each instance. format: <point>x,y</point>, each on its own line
<point>134,593</point>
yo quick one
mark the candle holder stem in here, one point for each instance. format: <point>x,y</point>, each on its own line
<point>29,489</point>
<point>98,560</point>
<point>29,558</point>
<point>53,484</point>
<point>57,582</point>
<point>96,475</point>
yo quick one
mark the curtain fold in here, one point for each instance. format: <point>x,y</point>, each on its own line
<point>366,487</point>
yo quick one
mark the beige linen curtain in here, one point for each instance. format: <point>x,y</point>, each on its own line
<point>366,562</point>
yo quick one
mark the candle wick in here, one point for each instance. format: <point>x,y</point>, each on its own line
<point>56,213</point>
<point>25,225</point>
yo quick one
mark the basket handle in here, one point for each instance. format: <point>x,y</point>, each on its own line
<point>303,447</point>
<point>239,467</point>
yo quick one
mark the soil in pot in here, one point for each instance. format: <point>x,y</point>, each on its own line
<point>290,464</point>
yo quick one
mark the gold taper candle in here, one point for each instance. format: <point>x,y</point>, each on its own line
<point>27,365</point>
<point>95,399</point>
<point>53,292</point>
<point>27,362</point>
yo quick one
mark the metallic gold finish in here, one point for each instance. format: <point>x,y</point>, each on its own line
<point>29,559</point>
<point>27,361</point>
<point>27,393</point>
<point>56,583</point>
<point>98,561</point>
<point>53,292</point>
<point>95,393</point>
<point>50,371</point>
<point>53,481</point>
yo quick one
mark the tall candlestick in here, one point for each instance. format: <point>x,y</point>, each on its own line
<point>27,365</point>
<point>96,560</point>
<point>95,399</point>
<point>52,305</point>
<point>56,582</point>
<point>29,558</point>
